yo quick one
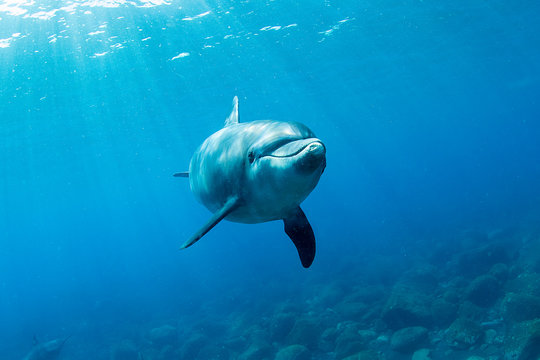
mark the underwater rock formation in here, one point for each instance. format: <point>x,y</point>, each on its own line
<point>293,352</point>
<point>409,339</point>
<point>463,333</point>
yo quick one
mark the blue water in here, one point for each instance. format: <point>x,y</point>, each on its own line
<point>429,111</point>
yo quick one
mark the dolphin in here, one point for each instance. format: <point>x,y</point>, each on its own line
<point>256,172</point>
<point>49,350</point>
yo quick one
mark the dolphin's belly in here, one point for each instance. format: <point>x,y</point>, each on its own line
<point>257,213</point>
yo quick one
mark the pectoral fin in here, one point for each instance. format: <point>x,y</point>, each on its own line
<point>229,206</point>
<point>299,230</point>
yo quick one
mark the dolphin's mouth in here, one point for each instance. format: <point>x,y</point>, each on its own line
<point>294,148</point>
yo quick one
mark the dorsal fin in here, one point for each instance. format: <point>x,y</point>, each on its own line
<point>233,118</point>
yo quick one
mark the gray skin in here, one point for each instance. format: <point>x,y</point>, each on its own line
<point>49,350</point>
<point>256,172</point>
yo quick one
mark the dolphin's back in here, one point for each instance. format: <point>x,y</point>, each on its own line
<point>216,163</point>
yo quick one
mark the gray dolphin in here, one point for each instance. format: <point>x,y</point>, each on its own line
<point>256,172</point>
<point>49,350</point>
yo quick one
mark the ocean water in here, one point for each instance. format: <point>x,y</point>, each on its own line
<point>430,113</point>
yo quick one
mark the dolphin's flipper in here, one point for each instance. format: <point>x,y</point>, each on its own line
<point>229,206</point>
<point>299,230</point>
<point>233,118</point>
<point>182,174</point>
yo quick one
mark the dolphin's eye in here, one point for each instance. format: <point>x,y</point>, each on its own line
<point>251,157</point>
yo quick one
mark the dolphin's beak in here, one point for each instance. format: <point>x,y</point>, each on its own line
<point>313,157</point>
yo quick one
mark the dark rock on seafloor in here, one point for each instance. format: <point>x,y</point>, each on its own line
<point>328,339</point>
<point>443,312</point>
<point>367,294</point>
<point>125,350</point>
<point>163,335</point>
<point>527,283</point>
<point>293,352</point>
<point>523,341</point>
<point>193,345</point>
<point>349,341</point>
<point>480,260</point>
<point>306,331</point>
<point>354,310</point>
<point>520,307</point>
<point>364,355</point>
<point>468,310</point>
<point>235,344</point>
<point>327,295</point>
<point>212,351</point>
<point>500,271</point>
<point>484,290</point>
<point>410,300</point>
<point>406,306</point>
<point>258,351</point>
<point>463,334</point>
<point>281,325</point>
<point>409,339</point>
<point>168,352</point>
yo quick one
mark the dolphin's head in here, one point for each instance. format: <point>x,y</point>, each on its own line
<point>286,161</point>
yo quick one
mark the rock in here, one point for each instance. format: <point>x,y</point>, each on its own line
<point>367,335</point>
<point>125,350</point>
<point>500,271</point>
<point>463,334</point>
<point>281,325</point>
<point>351,310</point>
<point>168,352</point>
<point>523,341</point>
<point>163,335</point>
<point>490,336</point>
<point>349,341</point>
<point>422,354</point>
<point>452,295</point>
<point>305,332</point>
<point>481,259</point>
<point>258,351</point>
<point>470,311</point>
<point>408,305</point>
<point>367,294</point>
<point>328,339</point>
<point>484,290</point>
<point>327,295</point>
<point>520,307</point>
<point>527,283</point>
<point>443,312</point>
<point>257,334</point>
<point>381,340</point>
<point>236,344</point>
<point>211,328</point>
<point>409,339</point>
<point>211,351</point>
<point>193,345</point>
<point>293,352</point>
<point>365,355</point>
